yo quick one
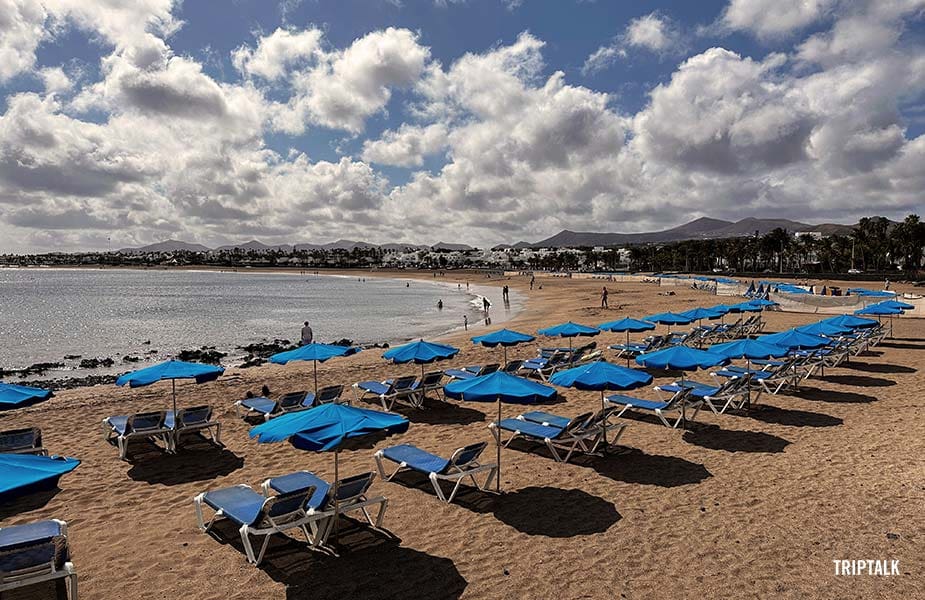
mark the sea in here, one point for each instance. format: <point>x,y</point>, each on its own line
<point>47,314</point>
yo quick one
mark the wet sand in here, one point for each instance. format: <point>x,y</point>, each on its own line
<point>741,506</point>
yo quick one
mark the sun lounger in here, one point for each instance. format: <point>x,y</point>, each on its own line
<point>430,382</point>
<point>351,497</point>
<point>267,409</point>
<point>35,553</point>
<point>471,372</point>
<point>22,441</point>
<point>388,392</point>
<point>513,366</point>
<point>678,404</point>
<point>150,425</point>
<point>256,514</point>
<point>197,419</point>
<point>462,464</point>
<point>581,434</point>
<point>325,395</point>
<point>730,393</point>
<point>771,378</point>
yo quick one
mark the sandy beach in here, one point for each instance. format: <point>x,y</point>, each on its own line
<point>750,505</point>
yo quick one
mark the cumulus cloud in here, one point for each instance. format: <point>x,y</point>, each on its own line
<point>346,87</point>
<point>277,52</point>
<point>406,147</point>
<point>774,18</point>
<point>21,32</point>
<point>652,32</point>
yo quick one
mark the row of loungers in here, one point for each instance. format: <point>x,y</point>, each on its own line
<point>266,409</point>
<point>163,426</point>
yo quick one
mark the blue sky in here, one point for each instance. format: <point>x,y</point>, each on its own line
<point>314,120</point>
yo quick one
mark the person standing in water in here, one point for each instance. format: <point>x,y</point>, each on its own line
<point>466,322</point>
<point>307,334</point>
<point>440,304</point>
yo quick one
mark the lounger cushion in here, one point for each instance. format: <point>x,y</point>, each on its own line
<point>241,504</point>
<point>19,536</point>
<point>459,374</point>
<point>286,484</point>
<point>638,402</point>
<point>545,418</point>
<point>417,459</point>
<point>260,404</point>
<point>119,424</point>
<point>375,387</point>
<point>529,428</point>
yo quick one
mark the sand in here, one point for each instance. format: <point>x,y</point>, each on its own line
<point>741,506</point>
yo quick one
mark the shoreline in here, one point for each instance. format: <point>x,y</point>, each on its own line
<point>237,356</point>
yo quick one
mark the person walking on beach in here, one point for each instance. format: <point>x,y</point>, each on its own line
<point>485,304</point>
<point>604,297</point>
<point>440,304</point>
<point>307,334</point>
<point>532,280</point>
<point>505,294</point>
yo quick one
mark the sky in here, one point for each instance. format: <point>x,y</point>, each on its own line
<point>477,121</point>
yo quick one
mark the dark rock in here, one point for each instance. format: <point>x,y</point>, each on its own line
<point>205,355</point>
<point>131,359</point>
<point>71,356</point>
<point>96,363</point>
<point>266,349</point>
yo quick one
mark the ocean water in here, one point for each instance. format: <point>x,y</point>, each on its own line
<point>46,314</point>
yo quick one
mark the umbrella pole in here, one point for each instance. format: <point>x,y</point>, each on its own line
<point>173,383</point>
<point>505,354</point>
<point>627,343</point>
<point>336,503</point>
<point>498,446</point>
<point>604,415</point>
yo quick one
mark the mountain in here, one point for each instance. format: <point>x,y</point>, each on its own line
<point>254,246</point>
<point>399,247</point>
<point>447,246</point>
<point>166,246</point>
<point>347,245</point>
<point>702,228</point>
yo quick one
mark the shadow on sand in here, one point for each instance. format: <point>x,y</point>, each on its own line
<point>878,367</point>
<point>635,466</point>
<point>29,502</point>
<point>858,380</point>
<point>370,565</point>
<point>188,465</point>
<point>436,412</point>
<point>729,440</point>
<point>789,416</point>
<point>833,396</point>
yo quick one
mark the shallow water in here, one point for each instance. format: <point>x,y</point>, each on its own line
<point>46,314</point>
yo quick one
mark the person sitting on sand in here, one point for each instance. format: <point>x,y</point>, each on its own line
<point>307,334</point>
<point>265,391</point>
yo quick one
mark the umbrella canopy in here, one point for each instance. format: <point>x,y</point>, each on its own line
<point>14,396</point>
<point>626,324</point>
<point>824,328</point>
<point>745,307</point>
<point>315,353</point>
<point>682,358</point>
<point>601,376</point>
<point>851,321</point>
<point>878,310</point>
<point>420,352</point>
<point>503,338</point>
<point>749,349</point>
<point>569,330</point>
<point>327,427</point>
<point>668,318</point>
<point>720,308</point>
<point>22,474</point>
<point>700,313</point>
<point>499,387</point>
<point>172,370</point>
<point>792,338</point>
<point>763,302</point>
<point>897,304</point>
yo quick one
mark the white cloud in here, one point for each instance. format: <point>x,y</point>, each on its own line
<point>55,80</point>
<point>277,52</point>
<point>774,18</point>
<point>21,32</point>
<point>346,87</point>
<point>652,32</point>
<point>406,147</point>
